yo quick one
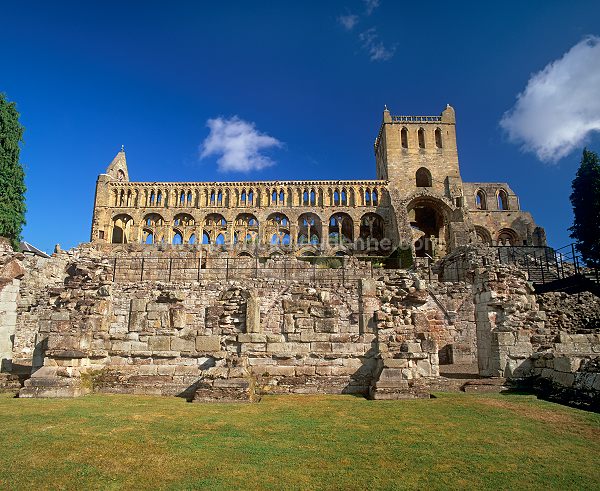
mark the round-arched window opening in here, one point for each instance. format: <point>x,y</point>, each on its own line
<point>423,178</point>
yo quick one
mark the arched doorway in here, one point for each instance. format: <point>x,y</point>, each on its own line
<point>429,233</point>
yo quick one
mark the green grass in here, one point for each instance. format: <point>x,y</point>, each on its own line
<point>298,442</point>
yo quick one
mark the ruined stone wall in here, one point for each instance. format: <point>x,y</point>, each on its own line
<point>382,332</point>
<point>85,331</point>
<point>577,313</point>
<point>11,272</point>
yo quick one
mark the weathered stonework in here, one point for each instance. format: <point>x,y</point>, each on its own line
<point>383,333</point>
<point>418,199</point>
<point>198,290</point>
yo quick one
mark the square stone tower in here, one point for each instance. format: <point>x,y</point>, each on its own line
<point>415,152</point>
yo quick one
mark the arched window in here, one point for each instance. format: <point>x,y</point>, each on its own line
<point>404,137</point>
<point>305,198</point>
<point>251,197</point>
<point>243,197</point>
<point>220,198</point>
<point>281,198</point>
<point>205,238</point>
<point>438,138</point>
<point>192,239</point>
<point>220,240</point>
<point>421,135</point>
<point>507,237</point>
<point>368,197</point>
<point>423,178</point>
<point>312,197</point>
<point>148,237</point>
<point>375,198</point>
<point>274,198</point>
<point>343,196</point>
<point>177,238</point>
<point>480,203</point>
<point>189,198</point>
<point>152,198</point>
<point>120,175</point>
<point>212,198</point>
<point>502,200</point>
<point>182,198</point>
<point>336,198</point>
<point>159,198</point>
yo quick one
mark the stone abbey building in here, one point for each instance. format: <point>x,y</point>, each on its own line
<point>200,290</point>
<point>418,198</point>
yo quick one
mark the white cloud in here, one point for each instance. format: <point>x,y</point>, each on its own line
<point>239,145</point>
<point>376,49</point>
<point>371,5</point>
<point>560,106</point>
<point>348,21</point>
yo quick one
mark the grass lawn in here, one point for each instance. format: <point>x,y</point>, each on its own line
<point>298,442</point>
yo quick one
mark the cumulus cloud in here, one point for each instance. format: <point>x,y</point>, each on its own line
<point>560,105</point>
<point>239,145</point>
<point>371,5</point>
<point>348,21</point>
<point>376,49</point>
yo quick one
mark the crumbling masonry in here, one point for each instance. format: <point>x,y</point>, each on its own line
<point>213,291</point>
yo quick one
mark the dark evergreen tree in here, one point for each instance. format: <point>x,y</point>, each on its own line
<point>12,176</point>
<point>585,199</point>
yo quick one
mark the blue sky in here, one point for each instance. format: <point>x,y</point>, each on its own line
<point>88,78</point>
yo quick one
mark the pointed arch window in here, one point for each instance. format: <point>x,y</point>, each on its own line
<point>421,136</point>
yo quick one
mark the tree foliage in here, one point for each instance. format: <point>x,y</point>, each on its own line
<point>585,199</point>
<point>12,176</point>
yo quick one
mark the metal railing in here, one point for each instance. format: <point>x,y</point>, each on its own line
<point>545,264</point>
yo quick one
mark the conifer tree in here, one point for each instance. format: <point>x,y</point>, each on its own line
<point>12,176</point>
<point>585,199</point>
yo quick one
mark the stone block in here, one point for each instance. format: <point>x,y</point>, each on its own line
<point>566,364</point>
<point>159,343</point>
<point>252,338</point>
<point>137,320</point>
<point>138,305</point>
<point>157,307</point>
<point>178,317</point>
<point>326,325</point>
<point>183,345</point>
<point>208,343</point>
<point>320,347</point>
<point>505,338</point>
<point>562,378</point>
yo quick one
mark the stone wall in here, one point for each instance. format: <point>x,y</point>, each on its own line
<point>84,331</point>
<point>11,272</point>
<point>81,328</point>
<point>571,313</point>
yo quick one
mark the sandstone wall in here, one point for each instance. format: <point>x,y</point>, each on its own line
<point>85,331</point>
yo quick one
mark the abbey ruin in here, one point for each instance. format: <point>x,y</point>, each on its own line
<point>231,290</point>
